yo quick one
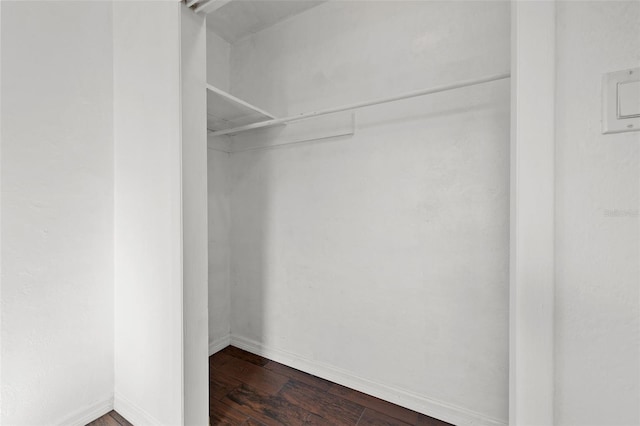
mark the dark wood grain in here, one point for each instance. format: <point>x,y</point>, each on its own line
<point>298,375</point>
<point>430,421</point>
<point>269,409</point>
<point>316,420</point>
<point>374,418</point>
<point>338,411</point>
<point>105,420</point>
<point>258,377</point>
<point>219,359</point>
<point>110,419</point>
<point>244,355</point>
<point>221,384</point>
<point>270,393</point>
<point>121,420</point>
<point>223,414</point>
<point>379,405</point>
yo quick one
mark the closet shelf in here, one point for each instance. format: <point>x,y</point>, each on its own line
<point>225,111</point>
<point>407,95</point>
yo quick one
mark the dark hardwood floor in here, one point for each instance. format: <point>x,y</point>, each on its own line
<point>249,390</point>
<point>110,419</point>
<point>246,389</point>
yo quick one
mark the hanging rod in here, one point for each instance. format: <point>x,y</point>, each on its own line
<point>422,92</point>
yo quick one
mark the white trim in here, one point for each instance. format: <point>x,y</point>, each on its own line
<point>219,344</point>
<point>88,414</point>
<point>133,413</point>
<point>181,281</point>
<point>532,257</point>
<point>431,407</point>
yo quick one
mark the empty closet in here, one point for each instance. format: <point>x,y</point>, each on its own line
<point>358,193</point>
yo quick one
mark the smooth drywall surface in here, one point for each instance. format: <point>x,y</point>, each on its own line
<point>148,210</point>
<point>218,57</point>
<point>597,200</point>
<point>219,249</point>
<point>343,52</point>
<point>532,221</point>
<point>57,212</point>
<point>218,52</point>
<point>381,257</point>
<point>193,68</point>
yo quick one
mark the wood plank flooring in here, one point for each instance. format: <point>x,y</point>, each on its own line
<point>249,390</point>
<point>110,419</point>
<point>246,389</point>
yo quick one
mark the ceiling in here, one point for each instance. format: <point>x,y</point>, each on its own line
<point>240,18</point>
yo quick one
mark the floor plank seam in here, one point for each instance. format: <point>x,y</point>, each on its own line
<point>360,418</point>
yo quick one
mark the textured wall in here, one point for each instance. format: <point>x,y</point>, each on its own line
<point>382,255</point>
<point>219,246</point>
<point>598,258</point>
<point>57,212</point>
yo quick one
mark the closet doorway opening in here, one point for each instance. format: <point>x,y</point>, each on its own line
<point>359,161</point>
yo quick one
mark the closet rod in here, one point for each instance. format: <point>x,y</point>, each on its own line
<point>422,92</point>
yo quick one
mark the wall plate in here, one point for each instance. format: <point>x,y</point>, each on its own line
<point>621,101</point>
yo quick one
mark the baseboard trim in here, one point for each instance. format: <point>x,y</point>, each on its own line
<point>132,412</point>
<point>88,414</point>
<point>219,344</point>
<point>431,407</point>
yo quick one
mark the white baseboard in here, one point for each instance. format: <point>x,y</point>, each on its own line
<point>88,414</point>
<point>133,413</point>
<point>428,406</point>
<point>219,344</point>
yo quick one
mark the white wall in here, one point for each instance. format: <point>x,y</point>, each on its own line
<point>75,77</point>
<point>598,258</point>
<point>218,56</point>
<point>148,210</point>
<point>532,221</point>
<point>380,260</point>
<point>193,70</point>
<point>219,249</point>
<point>161,368</point>
<point>57,212</point>
<point>342,52</point>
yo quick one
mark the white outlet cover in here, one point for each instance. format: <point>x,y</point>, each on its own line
<point>621,101</point>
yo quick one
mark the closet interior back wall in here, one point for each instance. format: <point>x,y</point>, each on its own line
<point>378,260</point>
